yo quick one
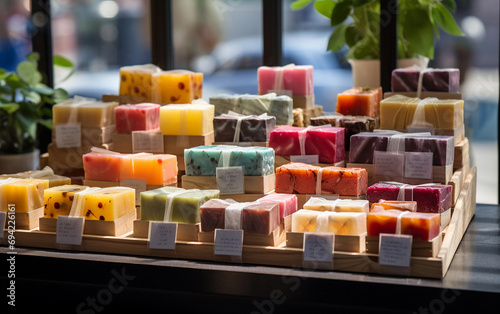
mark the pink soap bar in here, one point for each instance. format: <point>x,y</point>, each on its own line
<point>288,203</point>
<point>261,217</point>
<point>298,79</point>
<point>103,167</point>
<point>140,117</point>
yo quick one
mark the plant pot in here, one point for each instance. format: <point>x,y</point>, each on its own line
<point>366,73</point>
<point>10,164</point>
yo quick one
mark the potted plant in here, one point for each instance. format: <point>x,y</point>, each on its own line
<point>25,105</point>
<point>357,25</point>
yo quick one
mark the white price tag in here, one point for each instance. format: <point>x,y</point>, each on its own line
<point>389,165</point>
<point>147,142</point>
<point>395,250</point>
<point>281,92</point>
<point>68,135</point>
<point>318,247</point>
<point>3,216</point>
<point>162,235</point>
<point>418,165</point>
<point>69,230</point>
<point>228,242</point>
<point>138,185</point>
<point>230,180</point>
<point>307,159</point>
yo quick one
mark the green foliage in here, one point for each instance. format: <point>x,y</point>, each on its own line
<point>25,103</point>
<point>357,25</point>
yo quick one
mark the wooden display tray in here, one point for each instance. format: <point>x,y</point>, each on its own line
<point>26,220</point>
<point>461,157</point>
<point>114,228</point>
<point>355,244</point>
<point>419,248</point>
<point>94,136</point>
<point>70,158</point>
<point>456,182</point>
<point>252,184</point>
<point>303,101</point>
<point>185,232</point>
<point>420,267</point>
<point>283,160</point>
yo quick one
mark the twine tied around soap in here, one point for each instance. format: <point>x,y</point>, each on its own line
<point>322,221</point>
<point>46,171</point>
<point>233,216</point>
<point>79,202</point>
<point>398,221</point>
<point>302,135</point>
<point>279,84</point>
<point>419,120</point>
<point>402,188</point>
<point>240,118</point>
<point>167,217</point>
<point>319,178</point>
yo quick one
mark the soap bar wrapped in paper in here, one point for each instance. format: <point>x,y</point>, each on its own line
<point>433,80</point>
<point>298,79</point>
<point>359,102</point>
<point>288,203</point>
<point>58,200</point>
<point>109,204</point>
<point>430,198</point>
<point>187,119</point>
<point>25,194</point>
<point>176,87</point>
<point>339,223</point>
<point>203,160</point>
<point>87,112</point>
<point>140,117</point>
<point>234,127</point>
<point>325,141</point>
<point>136,80</point>
<point>281,107</point>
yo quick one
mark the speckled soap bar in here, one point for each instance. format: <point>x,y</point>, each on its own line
<point>252,128</point>
<point>109,204</point>
<point>58,200</point>
<point>203,160</point>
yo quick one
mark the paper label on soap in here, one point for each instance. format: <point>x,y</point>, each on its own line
<point>389,165</point>
<point>68,135</point>
<point>228,242</point>
<point>3,216</point>
<point>138,185</point>
<point>306,159</point>
<point>69,230</point>
<point>318,247</point>
<point>147,142</point>
<point>282,92</point>
<point>230,180</point>
<point>418,165</point>
<point>162,235</point>
<point>395,250</point>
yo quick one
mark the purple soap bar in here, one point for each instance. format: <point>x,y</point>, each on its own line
<point>430,199</point>
<point>363,146</point>
<point>252,129</point>
<point>433,80</point>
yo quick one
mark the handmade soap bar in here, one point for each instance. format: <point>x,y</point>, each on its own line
<point>423,226</point>
<point>249,128</point>
<point>341,223</point>
<point>58,200</point>
<point>153,202</point>
<point>137,81</point>
<point>410,206</point>
<point>297,79</point>
<point>45,174</point>
<point>433,80</point>
<point>394,110</point>
<point>203,160</point>
<point>140,117</point>
<point>344,181</point>
<point>429,198</point>
<point>212,214</point>
<point>304,220</point>
<point>261,217</point>
<point>281,107</point>
<point>109,204</point>
<point>288,203</point>
<point>320,204</point>
<point>187,119</point>
<point>357,206</point>
<point>176,87</point>
<point>363,146</point>
<point>154,169</point>
<point>297,178</point>
<point>327,142</point>
<point>103,166</point>
<point>88,113</point>
<point>25,194</point>
<point>186,206</point>
<point>359,102</point>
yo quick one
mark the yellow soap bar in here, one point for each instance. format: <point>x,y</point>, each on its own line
<point>440,113</point>
<point>393,112</point>
<point>343,223</point>
<point>89,114</point>
<point>176,87</point>
<point>304,220</point>
<point>352,206</point>
<point>25,194</point>
<point>58,200</point>
<point>136,80</point>
<point>157,169</point>
<point>187,119</point>
<point>109,204</point>
<point>320,204</point>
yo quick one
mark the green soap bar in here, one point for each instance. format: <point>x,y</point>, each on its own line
<point>153,203</point>
<point>186,206</point>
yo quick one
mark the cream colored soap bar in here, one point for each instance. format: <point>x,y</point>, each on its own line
<point>394,112</point>
<point>304,220</point>
<point>441,114</point>
<point>58,200</point>
<point>109,204</point>
<point>354,206</point>
<point>344,223</point>
<point>89,113</point>
<point>25,194</point>
<point>320,204</point>
<point>187,119</point>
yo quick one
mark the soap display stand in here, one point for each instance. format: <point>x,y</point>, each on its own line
<point>344,243</point>
<point>70,158</point>
<point>283,160</point>
<point>303,198</point>
<point>419,248</point>
<point>461,157</point>
<point>25,220</point>
<point>185,232</point>
<point>252,184</point>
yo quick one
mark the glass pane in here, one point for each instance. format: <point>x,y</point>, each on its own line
<point>15,40</point>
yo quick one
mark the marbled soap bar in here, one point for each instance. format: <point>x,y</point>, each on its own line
<point>212,214</point>
<point>109,204</point>
<point>297,79</point>
<point>203,160</point>
<point>88,113</point>
<point>58,200</point>
<point>320,204</point>
<point>251,129</point>
<point>261,217</point>
<point>187,119</point>
<point>363,146</point>
<point>433,80</point>
<point>25,194</point>
<point>176,87</point>
<point>326,142</point>
<point>136,80</point>
<point>354,206</point>
<point>344,181</point>
<point>351,124</point>
<point>304,220</point>
<point>140,117</point>
<point>103,166</point>
<point>296,178</point>
<point>154,169</point>
<point>431,199</point>
<point>153,202</point>
<point>359,102</point>
<point>410,206</point>
<point>288,203</point>
<point>341,223</point>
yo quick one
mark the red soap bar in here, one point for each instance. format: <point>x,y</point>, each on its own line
<point>382,222</point>
<point>140,117</point>
<point>103,167</point>
<point>344,181</point>
<point>212,214</point>
<point>297,178</point>
<point>285,140</point>
<point>261,217</point>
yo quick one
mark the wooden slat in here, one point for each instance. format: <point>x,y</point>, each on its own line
<point>252,184</point>
<point>419,248</point>
<point>185,232</point>
<point>356,244</point>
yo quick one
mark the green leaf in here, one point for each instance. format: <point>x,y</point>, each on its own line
<point>340,13</point>
<point>324,7</point>
<point>14,82</point>
<point>32,96</point>
<point>60,95</point>
<point>445,20</point>
<point>364,49</point>
<point>28,72</point>
<point>352,35</point>
<point>358,3</point>
<point>420,38</point>
<point>27,123</point>
<point>42,89</point>
<point>46,123</point>
<point>337,39</point>
<point>9,108</point>
<point>299,4</point>
<point>33,57</point>
<point>451,5</point>
<point>62,62</point>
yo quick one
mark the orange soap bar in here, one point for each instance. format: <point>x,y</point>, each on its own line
<point>359,102</point>
<point>298,178</point>
<point>102,166</point>
<point>410,206</point>
<point>382,222</point>
<point>177,87</point>
<point>154,169</point>
<point>423,226</point>
<point>344,181</point>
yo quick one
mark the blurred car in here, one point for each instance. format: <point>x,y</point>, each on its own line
<point>233,65</point>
